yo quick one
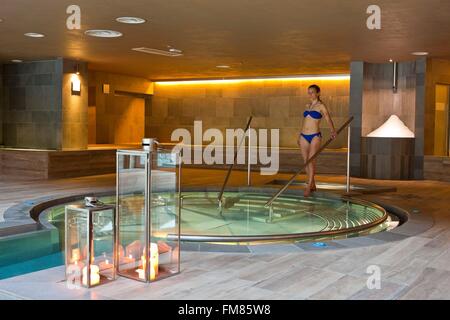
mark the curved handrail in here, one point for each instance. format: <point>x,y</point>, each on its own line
<point>234,161</point>
<point>306,163</point>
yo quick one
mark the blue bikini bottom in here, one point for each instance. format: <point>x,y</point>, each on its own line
<point>310,137</point>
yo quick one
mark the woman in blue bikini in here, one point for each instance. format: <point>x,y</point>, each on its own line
<point>310,137</point>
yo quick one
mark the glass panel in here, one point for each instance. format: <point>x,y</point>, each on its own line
<point>132,181</point>
<point>76,244</point>
<point>165,219</point>
<point>103,222</point>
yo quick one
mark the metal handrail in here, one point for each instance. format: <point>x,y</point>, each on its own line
<point>307,162</point>
<point>295,236</point>
<point>234,161</point>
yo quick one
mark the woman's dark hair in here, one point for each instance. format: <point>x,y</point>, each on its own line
<point>317,89</point>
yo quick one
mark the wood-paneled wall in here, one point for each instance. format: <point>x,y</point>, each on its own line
<point>437,168</point>
<point>41,165</point>
<point>438,72</point>
<point>387,158</point>
<point>119,115</point>
<point>38,165</point>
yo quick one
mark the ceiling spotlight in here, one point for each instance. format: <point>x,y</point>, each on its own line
<point>16,61</point>
<point>130,20</point>
<point>420,53</point>
<point>223,66</point>
<point>390,60</point>
<point>34,35</point>
<point>103,33</point>
<point>174,50</point>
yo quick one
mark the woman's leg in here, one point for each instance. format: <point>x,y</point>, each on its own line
<point>314,147</point>
<point>305,149</point>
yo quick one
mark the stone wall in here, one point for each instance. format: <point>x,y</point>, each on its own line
<point>74,120</point>
<point>32,104</point>
<point>1,105</point>
<point>273,104</point>
<point>39,109</point>
<point>356,102</point>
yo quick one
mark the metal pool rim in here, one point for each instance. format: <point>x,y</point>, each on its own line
<point>290,236</point>
<point>36,211</point>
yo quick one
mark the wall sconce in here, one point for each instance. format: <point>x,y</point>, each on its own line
<point>76,82</point>
<point>106,88</point>
<point>75,85</point>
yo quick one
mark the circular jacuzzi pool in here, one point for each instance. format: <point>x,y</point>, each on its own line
<point>244,218</point>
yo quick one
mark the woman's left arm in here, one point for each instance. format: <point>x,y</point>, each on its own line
<point>327,116</point>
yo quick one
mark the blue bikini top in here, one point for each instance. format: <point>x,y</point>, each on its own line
<point>313,114</point>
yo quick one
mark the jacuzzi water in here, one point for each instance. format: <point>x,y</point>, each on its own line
<point>244,216</point>
<point>243,219</point>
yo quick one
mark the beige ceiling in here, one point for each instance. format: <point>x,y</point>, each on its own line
<point>256,37</point>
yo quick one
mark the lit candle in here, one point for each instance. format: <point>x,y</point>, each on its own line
<point>95,275</point>
<point>153,263</point>
<point>152,273</point>
<point>143,262</point>
<point>75,255</point>
<point>129,259</point>
<point>75,259</point>
<point>104,265</point>
<point>141,273</point>
<point>154,259</point>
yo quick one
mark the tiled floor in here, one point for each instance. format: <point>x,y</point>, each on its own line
<point>414,259</point>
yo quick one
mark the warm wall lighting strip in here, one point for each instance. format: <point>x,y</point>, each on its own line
<point>226,81</point>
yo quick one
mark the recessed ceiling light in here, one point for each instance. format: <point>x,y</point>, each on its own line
<point>168,53</point>
<point>103,33</point>
<point>130,20</point>
<point>17,61</point>
<point>173,50</point>
<point>223,66</point>
<point>34,35</point>
<point>390,60</point>
<point>420,53</point>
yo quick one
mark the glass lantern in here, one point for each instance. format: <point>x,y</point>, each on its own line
<point>148,214</point>
<point>90,244</point>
